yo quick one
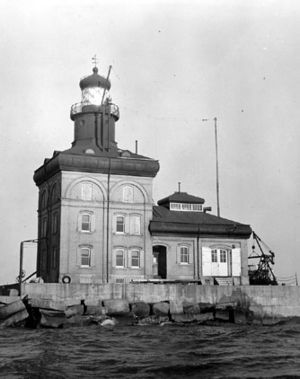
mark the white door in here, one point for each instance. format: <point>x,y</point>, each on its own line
<point>215,262</point>
<point>223,262</point>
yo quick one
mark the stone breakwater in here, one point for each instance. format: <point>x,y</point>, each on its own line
<point>61,305</point>
<point>56,314</point>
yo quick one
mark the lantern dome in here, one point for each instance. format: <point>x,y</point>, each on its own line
<point>94,80</point>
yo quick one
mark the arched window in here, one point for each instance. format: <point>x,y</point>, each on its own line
<point>86,191</point>
<point>128,194</point>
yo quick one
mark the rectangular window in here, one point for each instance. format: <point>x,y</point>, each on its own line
<point>175,206</point>
<point>135,224</point>
<point>197,207</point>
<point>86,223</point>
<point>85,257</point>
<point>120,224</point>
<point>223,256</point>
<point>86,191</point>
<point>120,258</point>
<point>135,258</point>
<point>184,255</point>
<point>214,256</point>
<point>186,207</point>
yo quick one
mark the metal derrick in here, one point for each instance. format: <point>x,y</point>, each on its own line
<point>263,273</point>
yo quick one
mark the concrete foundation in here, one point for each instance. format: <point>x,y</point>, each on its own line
<point>262,301</point>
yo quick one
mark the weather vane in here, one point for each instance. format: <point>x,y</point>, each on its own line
<point>95,60</point>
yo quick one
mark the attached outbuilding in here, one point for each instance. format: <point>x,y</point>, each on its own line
<point>191,244</point>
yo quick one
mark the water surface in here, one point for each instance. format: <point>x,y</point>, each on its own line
<point>192,351</point>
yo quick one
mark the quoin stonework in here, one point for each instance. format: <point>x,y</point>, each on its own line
<point>97,222</point>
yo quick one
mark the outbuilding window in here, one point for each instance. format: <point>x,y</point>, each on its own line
<point>184,255</point>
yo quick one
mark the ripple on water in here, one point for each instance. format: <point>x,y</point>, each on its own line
<point>151,352</point>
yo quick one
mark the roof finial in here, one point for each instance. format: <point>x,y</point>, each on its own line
<point>95,62</point>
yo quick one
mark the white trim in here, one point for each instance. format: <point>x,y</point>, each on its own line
<point>187,254</point>
<point>133,184</point>
<point>185,207</point>
<point>68,191</point>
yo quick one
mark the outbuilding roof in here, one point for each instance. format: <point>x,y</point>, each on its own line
<point>181,197</point>
<point>201,224</point>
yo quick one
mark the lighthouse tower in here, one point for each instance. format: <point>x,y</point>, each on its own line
<point>95,199</point>
<point>94,118</point>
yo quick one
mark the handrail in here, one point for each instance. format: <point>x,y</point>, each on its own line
<point>113,109</point>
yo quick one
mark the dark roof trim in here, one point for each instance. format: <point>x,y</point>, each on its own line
<point>89,163</point>
<point>222,230</point>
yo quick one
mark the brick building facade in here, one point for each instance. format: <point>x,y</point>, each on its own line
<point>97,222</point>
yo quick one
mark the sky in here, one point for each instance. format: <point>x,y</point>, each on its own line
<point>174,63</point>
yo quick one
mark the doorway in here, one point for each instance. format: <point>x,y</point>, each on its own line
<point>219,262</point>
<point>159,266</point>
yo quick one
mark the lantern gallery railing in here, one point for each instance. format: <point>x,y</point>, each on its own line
<point>111,108</point>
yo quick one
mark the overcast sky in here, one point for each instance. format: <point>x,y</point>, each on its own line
<point>174,63</point>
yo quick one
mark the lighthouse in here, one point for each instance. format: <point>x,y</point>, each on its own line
<point>95,199</point>
<point>95,117</point>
